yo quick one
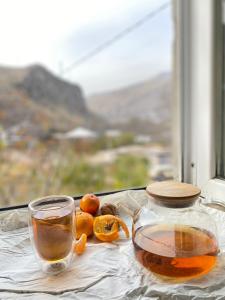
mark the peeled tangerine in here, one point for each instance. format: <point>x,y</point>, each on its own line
<point>106,228</point>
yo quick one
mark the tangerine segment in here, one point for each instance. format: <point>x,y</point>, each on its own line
<point>80,246</point>
<point>106,228</point>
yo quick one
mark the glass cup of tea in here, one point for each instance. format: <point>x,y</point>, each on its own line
<point>51,222</point>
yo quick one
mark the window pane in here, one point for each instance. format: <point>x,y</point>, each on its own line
<point>220,113</point>
<point>85,92</point>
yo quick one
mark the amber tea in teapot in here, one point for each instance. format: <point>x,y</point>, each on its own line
<point>172,238</point>
<point>179,251</point>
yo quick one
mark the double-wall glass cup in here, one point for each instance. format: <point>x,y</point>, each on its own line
<point>51,222</point>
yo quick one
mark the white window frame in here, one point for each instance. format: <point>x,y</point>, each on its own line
<point>197,85</point>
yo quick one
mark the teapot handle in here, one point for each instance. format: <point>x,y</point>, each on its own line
<point>216,204</point>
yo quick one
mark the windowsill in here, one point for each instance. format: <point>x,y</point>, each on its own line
<point>76,198</point>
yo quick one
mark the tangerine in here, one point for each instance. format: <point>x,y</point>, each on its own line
<point>84,224</point>
<point>90,204</point>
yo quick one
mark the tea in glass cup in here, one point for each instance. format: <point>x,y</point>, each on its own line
<point>51,229</point>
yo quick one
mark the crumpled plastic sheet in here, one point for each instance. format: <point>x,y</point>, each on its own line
<point>104,271</point>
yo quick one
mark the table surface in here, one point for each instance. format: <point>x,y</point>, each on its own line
<point>104,271</point>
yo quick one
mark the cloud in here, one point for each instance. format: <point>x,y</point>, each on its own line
<point>50,32</point>
<point>140,55</point>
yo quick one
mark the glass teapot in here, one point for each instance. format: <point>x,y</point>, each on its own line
<point>173,236</point>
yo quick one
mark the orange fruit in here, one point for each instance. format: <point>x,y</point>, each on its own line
<point>106,228</point>
<point>90,204</point>
<point>80,246</point>
<point>83,224</point>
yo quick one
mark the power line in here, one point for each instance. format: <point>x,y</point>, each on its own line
<point>115,38</point>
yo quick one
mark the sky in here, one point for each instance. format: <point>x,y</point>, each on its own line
<point>55,33</point>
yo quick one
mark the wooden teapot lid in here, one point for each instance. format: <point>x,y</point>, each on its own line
<point>173,193</point>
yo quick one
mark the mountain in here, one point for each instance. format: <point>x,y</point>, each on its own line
<point>39,102</point>
<point>46,89</point>
<point>148,100</point>
<point>39,99</point>
<point>144,107</point>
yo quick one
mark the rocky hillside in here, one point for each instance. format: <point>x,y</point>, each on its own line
<point>41,100</point>
<point>46,89</point>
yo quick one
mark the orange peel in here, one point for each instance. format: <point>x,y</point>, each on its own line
<point>106,228</point>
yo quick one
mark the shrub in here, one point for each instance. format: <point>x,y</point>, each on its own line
<point>130,171</point>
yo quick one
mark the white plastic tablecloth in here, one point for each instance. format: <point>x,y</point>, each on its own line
<point>104,271</point>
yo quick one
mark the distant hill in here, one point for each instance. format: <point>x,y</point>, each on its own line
<point>39,102</point>
<point>42,100</point>
<point>144,107</point>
